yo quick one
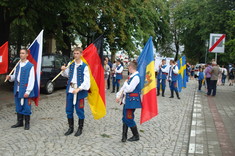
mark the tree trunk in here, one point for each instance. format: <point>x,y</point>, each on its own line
<point>4,25</point>
<point>66,50</point>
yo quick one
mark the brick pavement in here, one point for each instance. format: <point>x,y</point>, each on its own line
<point>167,134</point>
<point>212,131</point>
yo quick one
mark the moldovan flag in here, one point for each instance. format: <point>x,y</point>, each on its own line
<point>181,63</point>
<point>147,82</point>
<point>4,58</point>
<point>35,57</point>
<point>92,56</point>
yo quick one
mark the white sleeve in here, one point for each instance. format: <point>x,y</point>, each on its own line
<point>120,91</point>
<point>65,73</point>
<point>30,81</point>
<point>176,70</point>
<point>165,70</point>
<point>86,83</point>
<point>119,70</point>
<point>12,76</point>
<point>130,87</point>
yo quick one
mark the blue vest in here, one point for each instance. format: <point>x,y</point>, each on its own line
<point>24,78</point>
<point>119,75</point>
<point>162,75</point>
<point>174,77</point>
<point>133,99</point>
<point>80,78</point>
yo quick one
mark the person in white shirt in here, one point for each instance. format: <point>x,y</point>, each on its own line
<point>24,79</point>
<point>77,89</point>
<point>173,78</point>
<point>224,75</point>
<point>129,95</point>
<point>118,75</point>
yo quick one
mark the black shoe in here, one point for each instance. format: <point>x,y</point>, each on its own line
<point>117,89</point>
<point>19,121</point>
<point>163,91</point>
<point>71,127</point>
<point>124,132</point>
<point>80,127</point>
<point>177,94</point>
<point>135,136</point>
<point>172,94</point>
<point>27,119</point>
<point>158,92</point>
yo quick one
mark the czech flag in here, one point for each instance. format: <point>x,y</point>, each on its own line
<point>147,82</point>
<point>4,58</point>
<point>182,73</point>
<point>92,56</point>
<point>35,57</point>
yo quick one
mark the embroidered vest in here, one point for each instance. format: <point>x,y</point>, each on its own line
<point>80,78</point>
<point>133,99</point>
<point>24,78</point>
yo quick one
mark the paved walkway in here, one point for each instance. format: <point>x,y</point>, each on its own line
<point>167,134</point>
<point>213,123</point>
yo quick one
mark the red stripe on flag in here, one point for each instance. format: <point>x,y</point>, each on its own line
<point>149,106</point>
<point>217,42</point>
<point>95,66</point>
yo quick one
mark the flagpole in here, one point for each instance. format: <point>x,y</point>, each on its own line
<point>13,70</point>
<point>62,71</point>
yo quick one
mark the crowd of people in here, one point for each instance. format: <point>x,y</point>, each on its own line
<point>211,75</point>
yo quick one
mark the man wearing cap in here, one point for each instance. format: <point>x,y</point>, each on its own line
<point>161,77</point>
<point>24,79</point>
<point>215,71</point>
<point>77,89</point>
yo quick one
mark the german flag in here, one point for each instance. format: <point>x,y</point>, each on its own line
<point>93,57</point>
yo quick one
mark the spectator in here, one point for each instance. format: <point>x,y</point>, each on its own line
<point>208,75</point>
<point>106,72</point>
<point>110,65</point>
<point>200,79</point>
<point>224,75</point>
<point>214,77</point>
<point>231,75</point>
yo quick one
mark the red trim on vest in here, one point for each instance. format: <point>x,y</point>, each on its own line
<point>134,94</point>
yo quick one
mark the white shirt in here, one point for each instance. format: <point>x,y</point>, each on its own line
<point>86,83</point>
<point>128,88</point>
<point>165,70</point>
<point>225,71</point>
<point>175,71</point>
<point>30,80</point>
<point>119,70</point>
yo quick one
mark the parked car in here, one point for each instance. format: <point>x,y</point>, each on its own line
<point>51,64</point>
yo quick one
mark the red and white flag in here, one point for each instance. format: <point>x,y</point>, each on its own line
<point>4,58</point>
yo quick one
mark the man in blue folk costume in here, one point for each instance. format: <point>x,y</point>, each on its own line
<point>161,78</point>
<point>118,75</point>
<point>77,89</point>
<point>173,78</point>
<point>129,95</point>
<point>24,79</point>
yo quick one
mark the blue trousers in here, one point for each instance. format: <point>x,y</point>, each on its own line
<point>117,82</point>
<point>161,82</point>
<point>173,86</point>
<point>128,117</point>
<point>70,107</point>
<point>25,109</point>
